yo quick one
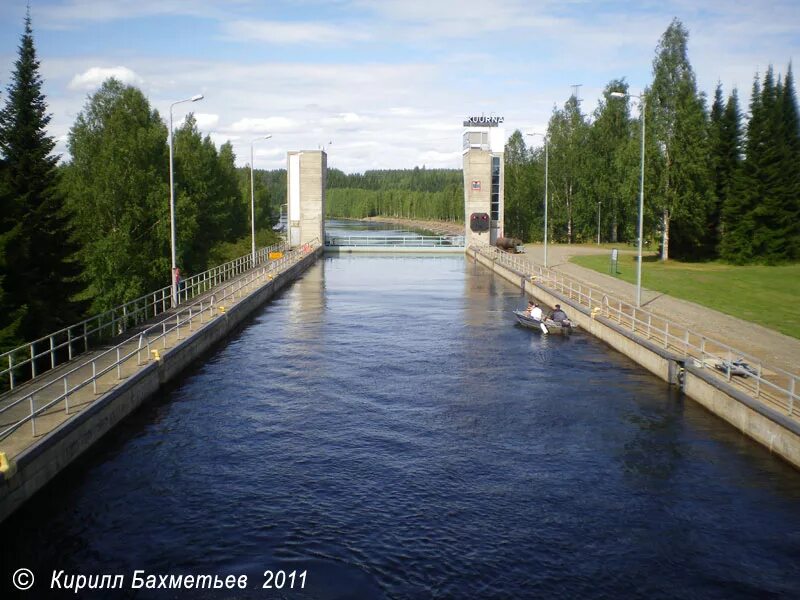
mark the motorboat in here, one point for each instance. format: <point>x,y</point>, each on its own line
<point>545,326</point>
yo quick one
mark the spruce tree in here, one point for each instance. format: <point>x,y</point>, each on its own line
<point>790,133</point>
<point>726,159</point>
<point>39,273</point>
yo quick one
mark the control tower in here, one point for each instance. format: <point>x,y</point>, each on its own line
<point>484,145</point>
<point>306,176</point>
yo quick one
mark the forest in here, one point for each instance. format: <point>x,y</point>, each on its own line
<point>91,231</point>
<point>719,183</point>
<point>81,236</point>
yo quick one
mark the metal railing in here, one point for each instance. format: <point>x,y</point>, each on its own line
<point>114,359</point>
<point>769,384</point>
<point>395,241</point>
<point>35,358</point>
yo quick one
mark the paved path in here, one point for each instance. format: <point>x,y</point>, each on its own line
<point>773,348</point>
<point>90,375</point>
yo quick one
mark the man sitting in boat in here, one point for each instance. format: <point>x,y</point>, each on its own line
<point>558,315</point>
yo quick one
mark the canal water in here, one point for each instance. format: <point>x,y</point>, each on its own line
<point>385,428</point>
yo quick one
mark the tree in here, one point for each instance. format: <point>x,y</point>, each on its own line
<point>208,198</point>
<point>38,270</point>
<point>726,161</point>
<point>676,114</point>
<point>614,178</point>
<point>117,190</point>
<point>523,206</point>
<point>567,132</point>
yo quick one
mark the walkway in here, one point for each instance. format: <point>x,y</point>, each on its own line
<point>72,387</point>
<point>771,347</point>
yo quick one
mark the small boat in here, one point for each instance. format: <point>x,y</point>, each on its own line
<point>547,326</point>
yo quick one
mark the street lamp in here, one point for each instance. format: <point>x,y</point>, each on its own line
<point>642,107</point>
<point>172,199</point>
<point>598,221</point>
<point>253,198</point>
<point>544,136</point>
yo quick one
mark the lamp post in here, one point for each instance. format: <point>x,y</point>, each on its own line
<point>172,200</point>
<point>544,137</point>
<point>642,107</point>
<point>253,199</point>
<point>598,222</point>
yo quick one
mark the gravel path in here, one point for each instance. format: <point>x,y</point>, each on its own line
<point>771,347</point>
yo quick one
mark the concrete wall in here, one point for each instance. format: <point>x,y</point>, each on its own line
<point>306,180</point>
<point>41,462</point>
<point>760,422</point>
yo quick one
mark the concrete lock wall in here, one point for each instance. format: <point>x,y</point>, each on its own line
<point>477,191</point>
<point>755,419</point>
<point>307,173</point>
<point>44,460</point>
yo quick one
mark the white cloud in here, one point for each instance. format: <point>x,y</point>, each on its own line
<point>263,125</point>
<point>292,32</point>
<point>92,78</point>
<point>206,121</point>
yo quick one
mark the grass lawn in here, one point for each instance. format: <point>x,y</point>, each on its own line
<point>769,296</point>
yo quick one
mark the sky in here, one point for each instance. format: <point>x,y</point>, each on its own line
<point>379,83</point>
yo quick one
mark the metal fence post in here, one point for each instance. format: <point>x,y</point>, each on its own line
<point>52,353</point>
<point>94,377</point>
<point>33,416</point>
<point>66,396</point>
<point>119,369</point>
<point>791,395</point>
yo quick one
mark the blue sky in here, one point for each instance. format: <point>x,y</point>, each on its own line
<point>388,82</point>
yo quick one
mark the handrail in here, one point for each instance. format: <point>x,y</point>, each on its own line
<point>766,383</point>
<point>400,241</point>
<point>61,345</point>
<point>204,307</point>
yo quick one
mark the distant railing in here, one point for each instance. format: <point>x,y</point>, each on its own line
<point>144,341</point>
<point>395,241</point>
<point>769,384</point>
<point>32,359</point>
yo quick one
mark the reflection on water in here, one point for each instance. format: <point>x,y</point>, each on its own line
<point>384,425</point>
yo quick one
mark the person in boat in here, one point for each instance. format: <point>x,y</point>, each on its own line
<point>558,315</point>
<point>536,312</point>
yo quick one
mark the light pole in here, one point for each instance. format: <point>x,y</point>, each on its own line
<point>544,137</point>
<point>172,200</point>
<point>642,107</point>
<point>253,198</point>
<point>598,222</point>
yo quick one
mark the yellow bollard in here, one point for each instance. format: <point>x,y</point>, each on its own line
<point>7,468</point>
<point>595,311</point>
<point>222,310</point>
<point>156,355</point>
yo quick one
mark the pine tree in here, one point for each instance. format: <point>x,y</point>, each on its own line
<point>39,272</point>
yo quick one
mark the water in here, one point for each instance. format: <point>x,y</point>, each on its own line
<point>383,426</point>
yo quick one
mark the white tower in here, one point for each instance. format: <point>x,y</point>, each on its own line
<point>484,145</point>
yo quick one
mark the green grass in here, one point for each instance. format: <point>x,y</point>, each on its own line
<point>769,296</point>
